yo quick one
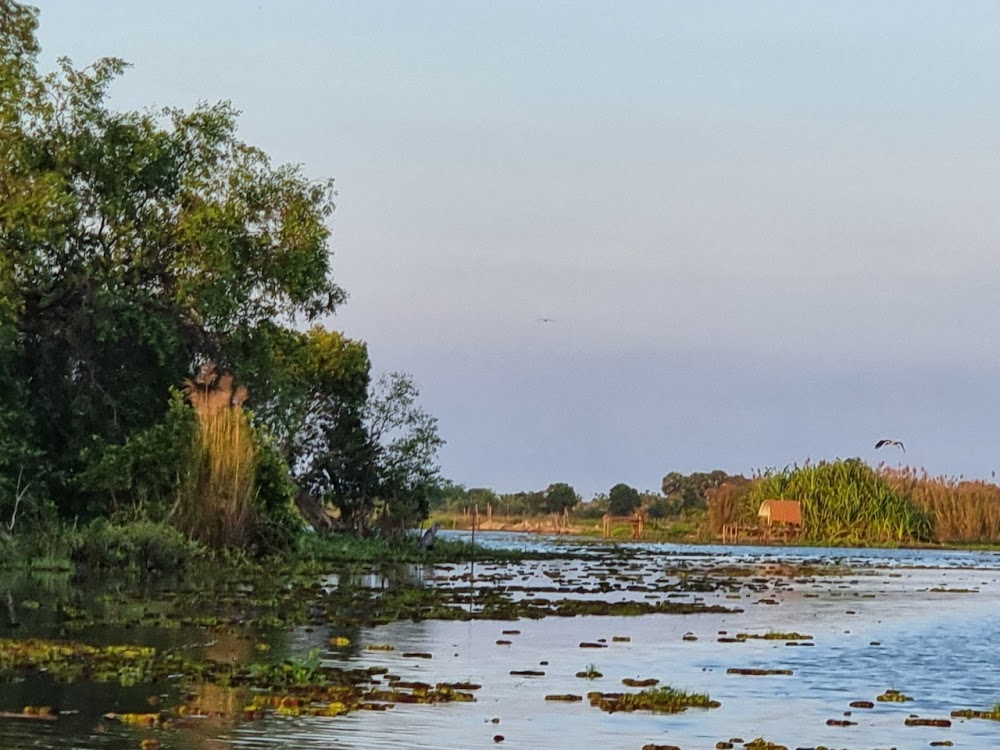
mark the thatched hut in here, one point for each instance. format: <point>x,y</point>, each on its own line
<point>781,512</point>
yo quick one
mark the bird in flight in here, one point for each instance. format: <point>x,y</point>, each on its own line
<point>885,441</point>
<point>545,320</point>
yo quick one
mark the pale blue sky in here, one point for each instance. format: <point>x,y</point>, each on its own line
<point>767,231</point>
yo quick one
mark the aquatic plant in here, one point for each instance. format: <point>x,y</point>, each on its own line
<point>664,699</point>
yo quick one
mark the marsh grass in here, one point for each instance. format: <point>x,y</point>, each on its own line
<point>216,500</point>
<point>960,510</point>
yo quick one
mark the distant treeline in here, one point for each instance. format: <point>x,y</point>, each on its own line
<point>680,494</point>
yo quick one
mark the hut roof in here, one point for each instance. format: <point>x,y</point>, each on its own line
<point>781,511</point>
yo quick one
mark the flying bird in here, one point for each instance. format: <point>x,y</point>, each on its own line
<point>885,441</point>
<point>545,320</point>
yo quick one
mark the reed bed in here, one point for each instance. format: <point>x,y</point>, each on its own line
<point>216,501</point>
<point>960,510</point>
<point>843,501</point>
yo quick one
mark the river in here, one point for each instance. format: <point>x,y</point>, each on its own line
<point>920,622</point>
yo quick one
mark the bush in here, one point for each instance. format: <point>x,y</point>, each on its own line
<point>142,545</point>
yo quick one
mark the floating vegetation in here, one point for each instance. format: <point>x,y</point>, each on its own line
<point>968,713</point>
<point>660,700</point>
<point>590,673</point>
<point>568,697</point>
<point>379,647</point>
<point>650,682</point>
<point>862,704</point>
<point>66,661</point>
<point>758,672</point>
<point>620,639</point>
<point>914,721</point>
<point>893,696</point>
<point>774,636</point>
<point>761,744</point>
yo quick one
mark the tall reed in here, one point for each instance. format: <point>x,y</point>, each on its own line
<point>216,501</point>
<point>726,502</point>
<point>960,510</point>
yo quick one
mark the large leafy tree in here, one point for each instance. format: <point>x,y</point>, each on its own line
<point>134,246</point>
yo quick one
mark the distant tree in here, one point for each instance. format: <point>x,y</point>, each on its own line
<point>481,497</point>
<point>560,497</point>
<point>622,500</point>
<point>445,495</point>
<point>688,492</point>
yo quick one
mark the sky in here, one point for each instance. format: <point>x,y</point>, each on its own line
<point>765,232</point>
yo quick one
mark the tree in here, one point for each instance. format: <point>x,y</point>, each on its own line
<point>622,500</point>
<point>135,247</point>
<point>383,471</point>
<point>560,498</point>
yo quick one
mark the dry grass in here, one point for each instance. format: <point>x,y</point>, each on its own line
<point>215,504</point>
<point>960,510</point>
<point>725,503</point>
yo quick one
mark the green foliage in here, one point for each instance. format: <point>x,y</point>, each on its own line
<point>843,501</point>
<point>135,245</point>
<point>382,472</point>
<point>276,525</point>
<point>623,500</point>
<point>138,247</point>
<point>142,476</point>
<point>560,498</point>
<point>143,545</point>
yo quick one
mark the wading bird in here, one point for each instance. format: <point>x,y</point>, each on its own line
<point>885,441</point>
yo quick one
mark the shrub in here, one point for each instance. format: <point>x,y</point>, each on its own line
<point>142,545</point>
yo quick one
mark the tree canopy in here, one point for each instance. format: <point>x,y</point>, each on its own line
<point>135,247</point>
<point>623,499</point>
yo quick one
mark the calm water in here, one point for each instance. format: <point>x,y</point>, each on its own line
<point>876,619</point>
